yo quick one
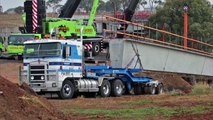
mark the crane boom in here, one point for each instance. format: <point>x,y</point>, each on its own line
<point>93,12</point>
<point>69,8</point>
<point>128,14</point>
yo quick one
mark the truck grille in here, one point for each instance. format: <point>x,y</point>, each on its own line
<point>37,75</point>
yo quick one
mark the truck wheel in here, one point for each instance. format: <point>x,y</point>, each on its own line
<point>105,89</point>
<point>96,48</point>
<point>159,89</point>
<point>117,88</point>
<point>138,90</point>
<point>151,90</point>
<point>67,90</point>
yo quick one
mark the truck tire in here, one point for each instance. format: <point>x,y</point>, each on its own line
<point>96,48</point>
<point>67,90</point>
<point>137,90</point>
<point>105,89</point>
<point>117,88</point>
<point>151,90</point>
<point>159,89</point>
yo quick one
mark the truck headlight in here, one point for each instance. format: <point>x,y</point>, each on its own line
<point>32,77</point>
<point>52,78</point>
<point>42,77</point>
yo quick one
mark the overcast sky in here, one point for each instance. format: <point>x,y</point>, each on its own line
<point>14,3</point>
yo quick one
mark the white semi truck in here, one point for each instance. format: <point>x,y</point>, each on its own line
<point>57,66</point>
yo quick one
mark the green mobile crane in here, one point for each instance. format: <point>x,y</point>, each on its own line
<point>62,26</point>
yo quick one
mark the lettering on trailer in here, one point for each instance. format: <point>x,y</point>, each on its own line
<point>85,30</point>
<point>17,47</point>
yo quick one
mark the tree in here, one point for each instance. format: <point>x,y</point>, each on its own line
<point>19,10</point>
<point>200,18</point>
<point>53,4</point>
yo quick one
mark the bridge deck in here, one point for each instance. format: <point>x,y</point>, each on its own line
<point>158,57</point>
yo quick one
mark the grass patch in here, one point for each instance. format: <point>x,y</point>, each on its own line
<point>33,100</point>
<point>201,89</point>
<point>176,93</point>
<point>193,110</point>
<point>142,113</point>
<point>139,102</point>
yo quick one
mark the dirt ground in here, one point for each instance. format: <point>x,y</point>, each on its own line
<point>21,103</point>
<point>186,107</point>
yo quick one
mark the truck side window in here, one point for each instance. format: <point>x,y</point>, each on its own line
<point>66,51</point>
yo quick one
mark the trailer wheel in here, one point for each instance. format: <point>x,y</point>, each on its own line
<point>117,88</point>
<point>105,89</point>
<point>96,48</point>
<point>151,90</point>
<point>67,90</point>
<point>159,89</point>
<point>138,90</point>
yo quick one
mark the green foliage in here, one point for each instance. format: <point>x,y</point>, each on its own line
<point>51,3</point>
<point>142,113</point>
<point>19,10</point>
<point>201,89</point>
<point>200,18</point>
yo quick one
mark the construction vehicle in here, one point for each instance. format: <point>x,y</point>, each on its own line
<point>62,26</point>
<point>57,66</point>
<point>15,46</point>
<point>1,46</point>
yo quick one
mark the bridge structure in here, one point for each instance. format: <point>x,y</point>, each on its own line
<point>138,50</point>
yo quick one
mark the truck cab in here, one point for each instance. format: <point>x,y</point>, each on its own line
<point>15,46</point>
<point>47,63</point>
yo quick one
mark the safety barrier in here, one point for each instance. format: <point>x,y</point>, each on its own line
<point>205,48</point>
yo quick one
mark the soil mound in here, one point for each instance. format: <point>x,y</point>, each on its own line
<point>21,103</point>
<point>171,81</point>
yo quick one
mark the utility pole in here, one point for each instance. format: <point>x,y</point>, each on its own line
<point>185,25</point>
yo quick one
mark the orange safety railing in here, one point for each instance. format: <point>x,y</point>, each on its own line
<point>125,33</point>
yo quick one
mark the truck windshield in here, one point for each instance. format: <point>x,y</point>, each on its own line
<point>19,39</point>
<point>42,50</point>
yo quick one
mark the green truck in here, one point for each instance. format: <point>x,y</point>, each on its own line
<point>15,46</point>
<point>58,26</point>
<point>1,46</point>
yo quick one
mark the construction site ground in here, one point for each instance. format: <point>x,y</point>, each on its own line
<point>177,103</point>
